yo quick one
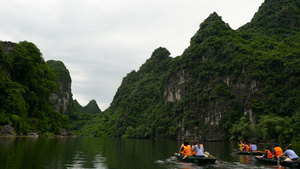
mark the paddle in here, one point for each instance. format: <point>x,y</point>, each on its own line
<point>278,162</point>
<point>183,158</point>
<point>208,154</point>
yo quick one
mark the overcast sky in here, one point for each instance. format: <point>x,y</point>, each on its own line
<point>100,41</point>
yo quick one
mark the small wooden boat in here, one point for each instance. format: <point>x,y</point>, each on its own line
<point>252,153</point>
<point>196,159</point>
<point>292,164</point>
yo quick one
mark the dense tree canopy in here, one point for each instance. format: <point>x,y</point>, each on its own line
<point>232,83</point>
<point>26,85</point>
<point>227,85</point>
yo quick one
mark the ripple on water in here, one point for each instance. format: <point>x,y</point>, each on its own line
<point>172,163</point>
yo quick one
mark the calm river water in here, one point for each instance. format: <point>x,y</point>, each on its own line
<point>109,153</point>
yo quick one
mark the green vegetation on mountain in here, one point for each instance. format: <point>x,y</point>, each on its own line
<point>61,97</point>
<point>26,83</point>
<point>227,85</point>
<point>62,100</point>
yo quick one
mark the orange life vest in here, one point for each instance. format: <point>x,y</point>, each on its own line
<point>269,155</point>
<point>187,149</point>
<point>247,148</point>
<point>278,151</point>
<point>181,148</point>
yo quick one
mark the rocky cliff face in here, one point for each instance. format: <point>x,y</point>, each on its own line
<point>62,96</point>
<point>8,47</point>
<point>225,79</point>
<point>175,89</point>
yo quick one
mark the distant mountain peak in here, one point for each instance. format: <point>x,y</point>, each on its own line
<point>160,53</point>
<point>213,25</point>
<point>92,107</point>
<point>276,17</point>
<point>157,60</point>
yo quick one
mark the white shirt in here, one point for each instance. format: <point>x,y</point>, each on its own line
<point>253,147</point>
<point>199,150</point>
<point>290,153</point>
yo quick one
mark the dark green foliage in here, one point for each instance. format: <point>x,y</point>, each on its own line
<point>61,72</point>
<point>80,116</point>
<point>92,107</point>
<point>295,125</point>
<point>239,84</point>
<point>26,85</point>
<point>61,99</point>
<point>276,127</point>
<point>227,85</point>
<point>276,18</point>
<point>134,110</point>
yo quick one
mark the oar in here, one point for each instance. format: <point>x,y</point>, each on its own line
<point>278,161</point>
<point>183,158</point>
<point>208,154</point>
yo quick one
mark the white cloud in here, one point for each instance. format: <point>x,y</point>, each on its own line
<point>100,41</point>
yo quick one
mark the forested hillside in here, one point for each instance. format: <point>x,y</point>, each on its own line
<point>62,99</point>
<point>36,96</point>
<point>26,83</point>
<point>227,85</point>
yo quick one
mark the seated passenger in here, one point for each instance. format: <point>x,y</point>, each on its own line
<point>246,147</point>
<point>289,152</point>
<point>199,149</point>
<point>181,152</point>
<point>241,145</point>
<point>276,151</point>
<point>253,147</point>
<point>186,149</point>
<point>194,152</point>
<point>268,153</point>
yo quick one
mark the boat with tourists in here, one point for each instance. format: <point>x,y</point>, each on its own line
<point>196,159</point>
<point>282,162</point>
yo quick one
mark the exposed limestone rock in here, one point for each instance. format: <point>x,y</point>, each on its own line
<point>33,134</point>
<point>175,88</point>
<point>66,133</point>
<point>8,47</point>
<point>7,130</point>
<point>62,96</point>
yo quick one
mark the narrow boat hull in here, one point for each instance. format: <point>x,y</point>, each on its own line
<point>292,164</point>
<point>252,153</point>
<point>196,159</point>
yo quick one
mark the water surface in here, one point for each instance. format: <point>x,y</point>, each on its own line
<point>111,153</point>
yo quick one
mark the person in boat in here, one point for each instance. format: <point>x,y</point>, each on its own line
<point>276,151</point>
<point>246,147</point>
<point>202,146</point>
<point>186,149</point>
<point>267,154</point>
<point>241,146</point>
<point>194,152</point>
<point>291,153</point>
<point>181,152</point>
<point>199,149</point>
<point>253,147</point>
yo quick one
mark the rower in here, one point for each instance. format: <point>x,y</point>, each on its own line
<point>291,153</point>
